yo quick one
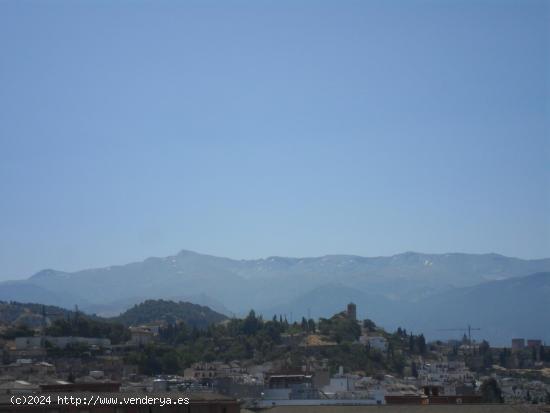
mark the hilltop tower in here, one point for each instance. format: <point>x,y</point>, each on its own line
<point>352,311</point>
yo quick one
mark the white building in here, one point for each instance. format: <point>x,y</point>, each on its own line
<point>141,336</point>
<point>340,384</point>
<point>444,372</point>
<point>375,342</point>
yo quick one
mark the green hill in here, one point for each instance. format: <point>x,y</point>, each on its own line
<point>29,314</point>
<point>170,312</point>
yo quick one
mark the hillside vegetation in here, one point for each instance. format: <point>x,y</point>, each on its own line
<point>170,312</point>
<point>29,314</point>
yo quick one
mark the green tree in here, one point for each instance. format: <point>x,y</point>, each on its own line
<point>19,330</point>
<point>421,344</point>
<point>170,363</point>
<point>251,323</point>
<point>82,326</point>
<point>491,391</point>
<point>484,347</point>
<point>414,370</point>
<point>369,325</point>
<point>486,354</point>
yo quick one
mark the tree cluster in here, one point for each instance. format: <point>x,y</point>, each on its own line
<point>340,329</point>
<point>83,326</point>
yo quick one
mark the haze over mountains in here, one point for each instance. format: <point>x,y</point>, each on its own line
<point>423,292</point>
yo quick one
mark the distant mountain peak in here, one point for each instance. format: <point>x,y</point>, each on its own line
<point>47,273</point>
<point>185,252</point>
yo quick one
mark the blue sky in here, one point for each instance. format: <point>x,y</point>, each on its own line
<point>247,129</point>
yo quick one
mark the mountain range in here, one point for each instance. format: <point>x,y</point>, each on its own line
<point>424,292</point>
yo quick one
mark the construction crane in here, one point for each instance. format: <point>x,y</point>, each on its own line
<point>469,329</point>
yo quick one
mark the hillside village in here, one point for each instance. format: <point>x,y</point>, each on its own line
<point>163,346</point>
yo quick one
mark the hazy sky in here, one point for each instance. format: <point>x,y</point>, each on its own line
<point>247,129</point>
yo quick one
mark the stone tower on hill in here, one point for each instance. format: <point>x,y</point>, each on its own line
<point>352,311</point>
